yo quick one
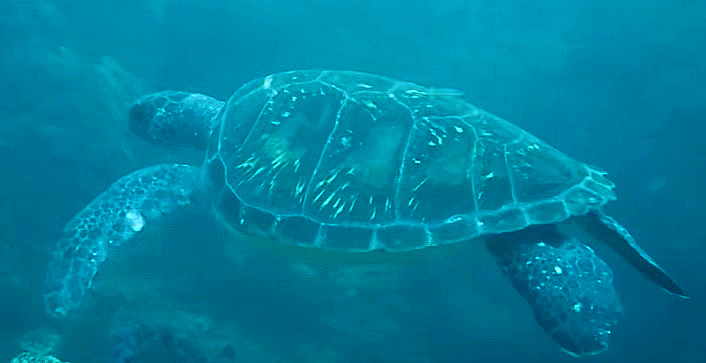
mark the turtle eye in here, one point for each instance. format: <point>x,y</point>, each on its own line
<point>151,121</point>
<point>140,117</point>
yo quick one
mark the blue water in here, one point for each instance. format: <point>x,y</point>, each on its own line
<point>617,84</point>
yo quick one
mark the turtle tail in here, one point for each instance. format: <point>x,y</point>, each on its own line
<point>108,221</point>
<point>569,288</point>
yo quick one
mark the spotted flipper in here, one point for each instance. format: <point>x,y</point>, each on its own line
<point>108,221</point>
<point>30,356</point>
<point>569,288</point>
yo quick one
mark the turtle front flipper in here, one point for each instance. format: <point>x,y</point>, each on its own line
<point>108,221</point>
<point>569,288</point>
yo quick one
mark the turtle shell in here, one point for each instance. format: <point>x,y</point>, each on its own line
<point>357,162</point>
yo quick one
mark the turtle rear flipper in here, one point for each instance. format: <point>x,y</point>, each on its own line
<point>569,288</point>
<point>110,220</point>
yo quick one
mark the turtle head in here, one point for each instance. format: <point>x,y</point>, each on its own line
<point>174,117</point>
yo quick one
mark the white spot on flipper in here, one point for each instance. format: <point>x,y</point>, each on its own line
<point>557,269</point>
<point>135,220</point>
<point>577,307</point>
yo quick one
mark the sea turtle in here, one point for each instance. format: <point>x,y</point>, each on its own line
<point>355,162</point>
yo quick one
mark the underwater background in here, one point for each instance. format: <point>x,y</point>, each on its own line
<point>618,84</point>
